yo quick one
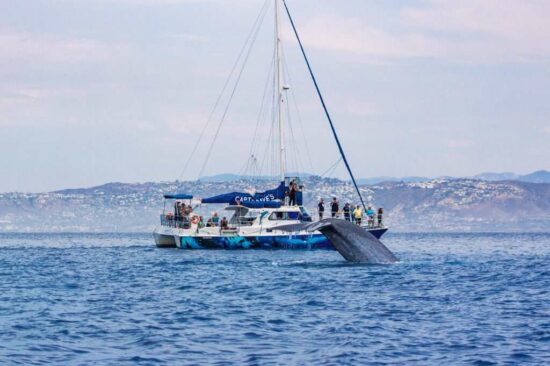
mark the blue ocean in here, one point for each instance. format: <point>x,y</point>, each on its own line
<point>77,299</point>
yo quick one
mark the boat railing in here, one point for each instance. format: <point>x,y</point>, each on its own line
<point>365,221</point>
<point>175,221</point>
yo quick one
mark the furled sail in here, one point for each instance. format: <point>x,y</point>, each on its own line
<point>231,198</point>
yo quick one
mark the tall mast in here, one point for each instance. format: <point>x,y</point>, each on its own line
<point>280,89</point>
<point>324,107</point>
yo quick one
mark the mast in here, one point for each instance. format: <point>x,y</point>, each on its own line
<point>327,114</point>
<point>280,89</point>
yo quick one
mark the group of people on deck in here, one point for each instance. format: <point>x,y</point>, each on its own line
<point>182,211</point>
<point>183,217</point>
<point>353,213</point>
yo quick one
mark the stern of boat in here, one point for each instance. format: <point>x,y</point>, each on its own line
<point>164,237</point>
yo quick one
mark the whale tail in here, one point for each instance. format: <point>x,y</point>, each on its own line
<point>351,241</point>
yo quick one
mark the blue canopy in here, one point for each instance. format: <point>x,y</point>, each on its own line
<point>231,198</point>
<point>178,196</point>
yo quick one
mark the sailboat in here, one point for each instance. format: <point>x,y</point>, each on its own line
<point>255,216</point>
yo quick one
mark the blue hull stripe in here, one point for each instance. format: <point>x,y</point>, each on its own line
<point>308,241</point>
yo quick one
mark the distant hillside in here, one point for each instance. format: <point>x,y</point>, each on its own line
<point>432,205</point>
<point>541,176</point>
<point>493,177</point>
<point>466,204</point>
<point>376,180</point>
<point>219,178</point>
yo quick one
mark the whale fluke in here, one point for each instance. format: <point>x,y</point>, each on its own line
<point>354,243</point>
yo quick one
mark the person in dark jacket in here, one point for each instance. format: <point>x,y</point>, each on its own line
<point>380,214</point>
<point>224,224</point>
<point>347,212</point>
<point>292,193</point>
<point>334,207</point>
<point>321,208</point>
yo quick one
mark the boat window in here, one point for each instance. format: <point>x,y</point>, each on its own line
<point>284,216</point>
<point>293,215</point>
<point>246,220</point>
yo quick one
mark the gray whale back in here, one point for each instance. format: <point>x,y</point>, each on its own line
<point>351,241</point>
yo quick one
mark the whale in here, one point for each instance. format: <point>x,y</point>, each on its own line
<point>354,243</point>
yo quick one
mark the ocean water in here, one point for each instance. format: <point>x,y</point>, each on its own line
<point>476,299</point>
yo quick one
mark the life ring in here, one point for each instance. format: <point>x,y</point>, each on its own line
<point>195,220</point>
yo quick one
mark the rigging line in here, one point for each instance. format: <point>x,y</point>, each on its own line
<point>300,121</point>
<point>268,144</point>
<point>327,172</point>
<point>294,141</point>
<point>330,174</point>
<point>232,93</point>
<point>324,107</point>
<point>332,168</point>
<point>262,110</point>
<point>219,98</point>
<point>294,144</point>
<point>244,168</point>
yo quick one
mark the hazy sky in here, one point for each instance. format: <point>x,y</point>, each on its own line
<point>118,90</point>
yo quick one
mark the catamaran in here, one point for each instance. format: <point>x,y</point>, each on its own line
<point>255,216</point>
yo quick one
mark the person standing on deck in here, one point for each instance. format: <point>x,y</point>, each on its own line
<point>334,207</point>
<point>370,216</point>
<point>358,214</point>
<point>380,214</point>
<point>347,212</point>
<point>292,193</point>
<point>321,208</point>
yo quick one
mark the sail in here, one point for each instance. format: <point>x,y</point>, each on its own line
<point>230,198</point>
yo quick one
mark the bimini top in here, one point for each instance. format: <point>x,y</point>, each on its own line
<point>178,196</point>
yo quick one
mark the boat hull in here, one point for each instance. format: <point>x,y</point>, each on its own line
<point>165,237</point>
<point>299,241</point>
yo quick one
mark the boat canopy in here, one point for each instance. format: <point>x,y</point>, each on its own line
<point>178,196</point>
<point>277,194</point>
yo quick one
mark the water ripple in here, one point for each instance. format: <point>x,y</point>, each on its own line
<point>477,299</point>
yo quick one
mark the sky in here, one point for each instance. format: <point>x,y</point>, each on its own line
<point>96,91</point>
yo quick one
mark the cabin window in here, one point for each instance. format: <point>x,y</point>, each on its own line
<point>293,215</point>
<point>284,216</point>
<point>246,220</point>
